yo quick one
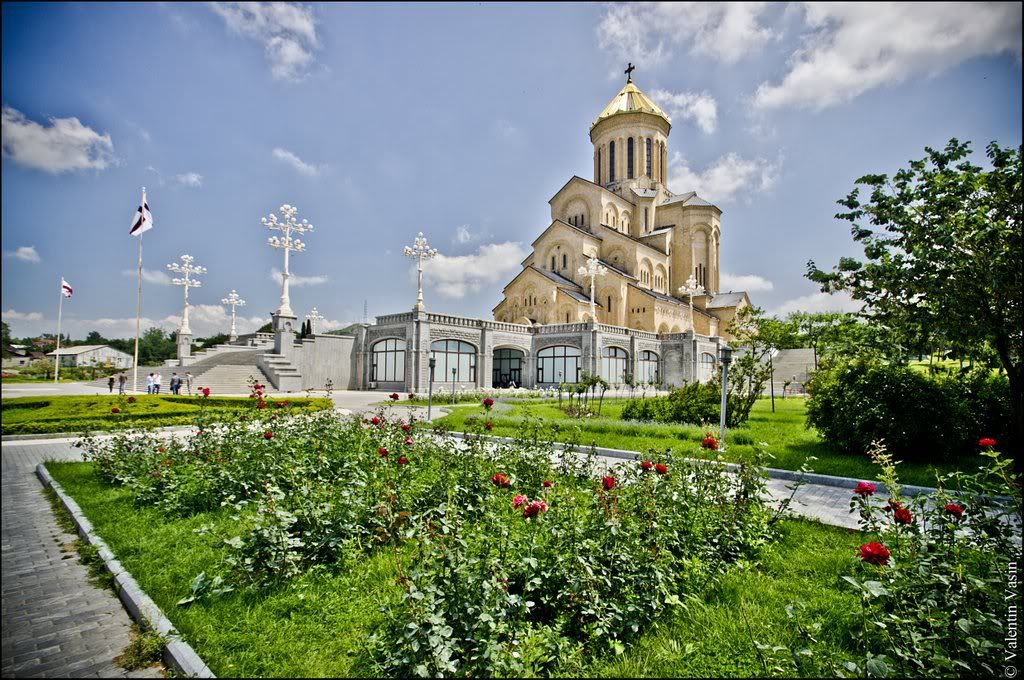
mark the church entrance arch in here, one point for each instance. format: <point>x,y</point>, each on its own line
<point>508,367</point>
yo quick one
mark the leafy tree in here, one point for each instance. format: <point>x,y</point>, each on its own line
<point>5,341</point>
<point>942,256</point>
<point>94,338</point>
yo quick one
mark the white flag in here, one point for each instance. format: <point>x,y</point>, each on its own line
<point>65,287</point>
<point>142,220</point>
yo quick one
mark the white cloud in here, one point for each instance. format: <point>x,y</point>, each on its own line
<point>297,163</point>
<point>14,315</point>
<point>747,282</point>
<point>456,275</point>
<point>189,179</point>
<point>851,48</point>
<point>698,107</point>
<point>63,145</point>
<point>648,32</point>
<point>463,235</point>
<point>286,29</point>
<point>156,276</point>
<point>818,302</point>
<point>297,281</point>
<point>726,178</point>
<point>24,253</point>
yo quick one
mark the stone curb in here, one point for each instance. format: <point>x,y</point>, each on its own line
<point>178,654</point>
<point>69,435</point>
<point>774,473</point>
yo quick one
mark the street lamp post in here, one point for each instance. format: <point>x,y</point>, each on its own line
<point>593,269</point>
<point>233,300</point>
<point>420,251</point>
<point>689,289</point>
<point>314,320</point>
<point>187,270</point>
<point>454,369</point>
<point>430,386</point>
<point>287,225</point>
<point>726,360</point>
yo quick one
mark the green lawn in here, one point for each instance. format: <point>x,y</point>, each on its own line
<point>788,439</point>
<point>31,415</point>
<point>316,625</point>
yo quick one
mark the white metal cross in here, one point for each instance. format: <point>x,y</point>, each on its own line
<point>188,270</point>
<point>593,269</point>
<point>314,320</point>
<point>286,225</point>
<point>420,251</point>
<point>233,300</point>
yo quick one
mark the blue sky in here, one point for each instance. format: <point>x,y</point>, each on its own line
<point>460,121</point>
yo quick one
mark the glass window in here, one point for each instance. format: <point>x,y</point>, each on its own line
<point>611,161</point>
<point>453,354</point>
<point>629,158</point>
<point>647,368</point>
<point>558,364</point>
<point>648,156</point>
<point>613,364</point>
<point>508,367</point>
<point>388,361</point>
<point>707,361</point>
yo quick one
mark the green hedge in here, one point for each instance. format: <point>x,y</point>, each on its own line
<point>920,418</point>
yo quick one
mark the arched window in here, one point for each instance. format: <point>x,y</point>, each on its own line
<point>558,364</point>
<point>387,359</point>
<point>707,362</point>
<point>565,260</point>
<point>611,161</point>
<point>508,367</point>
<point>613,364</point>
<point>598,165</point>
<point>647,368</point>
<point>453,354</point>
<point>648,156</point>
<point>552,263</point>
<point>629,158</point>
<point>609,305</point>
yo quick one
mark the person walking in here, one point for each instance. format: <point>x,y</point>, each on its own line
<point>121,380</point>
<point>188,382</point>
<point>149,384</point>
<point>175,383</point>
<point>156,383</point>
<point>110,384</point>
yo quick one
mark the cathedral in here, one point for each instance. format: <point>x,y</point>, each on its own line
<point>649,241</point>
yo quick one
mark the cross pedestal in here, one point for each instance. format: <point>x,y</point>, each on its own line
<point>284,333</point>
<point>184,347</point>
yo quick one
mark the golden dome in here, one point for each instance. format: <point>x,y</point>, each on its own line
<point>630,100</point>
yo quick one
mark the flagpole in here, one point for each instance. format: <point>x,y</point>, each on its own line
<point>138,313</point>
<point>56,354</point>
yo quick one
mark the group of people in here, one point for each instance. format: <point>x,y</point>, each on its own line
<point>153,383</point>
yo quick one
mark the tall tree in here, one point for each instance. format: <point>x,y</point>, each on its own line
<point>6,340</point>
<point>942,256</point>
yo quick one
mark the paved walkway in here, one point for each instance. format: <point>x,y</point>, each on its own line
<point>55,622</point>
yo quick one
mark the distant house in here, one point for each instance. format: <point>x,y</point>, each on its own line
<point>17,357</point>
<point>93,355</point>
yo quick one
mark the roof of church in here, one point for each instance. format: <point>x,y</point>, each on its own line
<point>578,296</point>
<point>556,277</point>
<point>730,299</point>
<point>566,224</point>
<point>645,193</point>
<point>687,199</point>
<point>668,298</point>
<point>616,269</point>
<point>630,100</point>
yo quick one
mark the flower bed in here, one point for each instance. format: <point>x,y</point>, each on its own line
<point>507,563</point>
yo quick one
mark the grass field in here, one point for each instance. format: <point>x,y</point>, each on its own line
<point>317,625</point>
<point>32,415</point>
<point>787,438</point>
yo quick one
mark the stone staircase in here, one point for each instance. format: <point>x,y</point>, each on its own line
<point>282,374</point>
<point>796,365</point>
<point>224,372</point>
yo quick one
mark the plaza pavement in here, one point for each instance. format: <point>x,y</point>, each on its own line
<point>57,624</point>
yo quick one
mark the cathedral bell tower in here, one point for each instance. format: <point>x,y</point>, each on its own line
<point>630,138</point>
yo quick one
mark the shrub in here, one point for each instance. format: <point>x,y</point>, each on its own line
<point>856,402</point>
<point>692,404</point>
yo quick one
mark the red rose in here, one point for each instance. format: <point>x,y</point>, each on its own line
<point>547,484</point>
<point>646,466</point>
<point>206,391</point>
<point>402,460</point>
<point>875,553</point>
<point>382,451</point>
<point>864,489</point>
<point>901,515</point>
<point>161,449</point>
<point>519,500</point>
<point>131,400</point>
<point>500,480</point>
<point>709,442</point>
<point>488,426</point>
<point>406,427</point>
<point>661,469</point>
<point>955,510</point>
<point>533,508</point>
<point>987,443</point>
<point>409,441</point>
<point>608,483</point>
<point>488,403</point>
<point>261,404</point>
<point>375,420</point>
<point>394,396</point>
<point>115,410</point>
<point>281,404</point>
<point>412,395</point>
<point>268,435</point>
